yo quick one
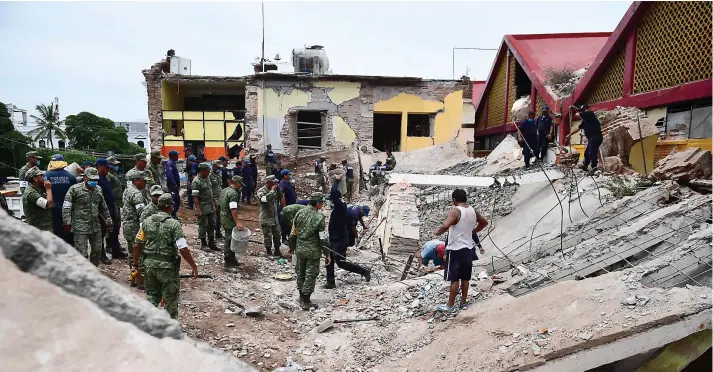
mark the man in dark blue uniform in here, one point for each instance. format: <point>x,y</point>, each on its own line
<point>173,180</point>
<point>355,215</point>
<point>593,132</point>
<point>338,239</point>
<point>288,192</point>
<point>191,172</point>
<point>226,174</point>
<point>544,132</point>
<point>528,138</point>
<point>61,180</point>
<point>248,182</point>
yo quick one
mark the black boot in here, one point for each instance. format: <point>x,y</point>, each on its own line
<point>204,244</point>
<point>219,234</point>
<point>329,285</point>
<point>367,276</point>
<point>213,246</point>
<point>118,253</point>
<point>104,259</point>
<point>306,303</point>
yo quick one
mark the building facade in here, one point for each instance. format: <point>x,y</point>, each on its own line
<point>300,114</point>
<point>137,132</point>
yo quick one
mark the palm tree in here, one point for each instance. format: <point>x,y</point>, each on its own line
<point>47,122</point>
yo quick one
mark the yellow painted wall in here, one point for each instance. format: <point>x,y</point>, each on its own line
<point>341,90</point>
<point>171,97</point>
<point>446,123</point>
<point>342,132</point>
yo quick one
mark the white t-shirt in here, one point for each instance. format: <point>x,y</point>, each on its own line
<point>460,235</point>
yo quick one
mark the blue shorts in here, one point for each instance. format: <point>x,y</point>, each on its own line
<point>459,265</point>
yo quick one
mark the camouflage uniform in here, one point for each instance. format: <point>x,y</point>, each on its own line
<point>82,209</point>
<point>203,189</point>
<point>155,170</point>
<point>390,162</point>
<point>151,209</point>
<point>139,157</point>
<point>25,168</point>
<point>134,202</point>
<point>216,183</point>
<point>268,218</point>
<point>161,238</point>
<point>309,238</point>
<point>289,212</point>
<point>34,204</point>
<point>229,200</point>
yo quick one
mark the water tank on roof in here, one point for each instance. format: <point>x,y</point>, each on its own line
<point>312,60</point>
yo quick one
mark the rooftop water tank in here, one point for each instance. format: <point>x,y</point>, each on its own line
<point>311,60</point>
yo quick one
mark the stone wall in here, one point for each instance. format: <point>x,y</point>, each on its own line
<point>154,77</point>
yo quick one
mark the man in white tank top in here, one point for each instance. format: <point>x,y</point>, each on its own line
<point>461,223</point>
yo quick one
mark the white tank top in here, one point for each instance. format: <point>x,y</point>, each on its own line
<point>460,235</point>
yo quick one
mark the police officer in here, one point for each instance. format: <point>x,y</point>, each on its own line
<point>61,181</point>
<point>215,181</point>
<point>249,183</point>
<point>268,197</point>
<point>83,206</point>
<point>116,187</point>
<point>173,180</point>
<point>308,241</point>
<point>153,168</point>
<point>593,131</point>
<point>338,239</point>
<point>162,240</point>
<point>253,174</point>
<point>269,159</point>
<point>390,161</point>
<point>528,138</point>
<point>226,174</point>
<point>37,200</point>
<point>33,160</point>
<point>228,201</point>
<point>152,208</point>
<point>135,200</point>
<point>191,172</point>
<point>544,132</point>
<point>356,214</point>
<point>204,206</point>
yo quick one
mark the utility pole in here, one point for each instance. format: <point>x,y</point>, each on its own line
<point>453,57</point>
<point>262,60</point>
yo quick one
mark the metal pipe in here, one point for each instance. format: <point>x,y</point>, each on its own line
<point>453,57</point>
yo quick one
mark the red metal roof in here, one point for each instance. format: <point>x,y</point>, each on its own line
<point>574,51</point>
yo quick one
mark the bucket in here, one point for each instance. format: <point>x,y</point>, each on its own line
<point>74,169</point>
<point>239,240</point>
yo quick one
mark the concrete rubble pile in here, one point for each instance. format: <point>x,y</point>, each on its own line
<point>506,156</point>
<point>622,131</point>
<point>520,108</point>
<point>56,304</point>
<point>563,90</point>
<point>684,167</point>
<point>432,159</point>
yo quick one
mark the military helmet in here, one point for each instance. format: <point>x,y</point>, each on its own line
<point>156,190</point>
<point>217,163</point>
<point>32,172</point>
<point>165,200</point>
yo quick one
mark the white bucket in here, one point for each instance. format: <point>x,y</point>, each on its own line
<point>74,169</point>
<point>239,240</point>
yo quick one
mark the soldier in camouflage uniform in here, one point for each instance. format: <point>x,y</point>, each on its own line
<point>135,199</point>
<point>112,241</point>
<point>320,168</point>
<point>152,208</point>
<point>33,160</point>
<point>83,206</point>
<point>228,204</point>
<point>154,168</point>
<point>268,197</point>
<point>216,182</point>
<point>140,166</point>
<point>289,212</point>
<point>161,240</point>
<point>204,206</point>
<point>37,200</point>
<point>309,242</point>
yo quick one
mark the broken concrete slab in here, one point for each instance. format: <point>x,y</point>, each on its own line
<point>431,159</point>
<point>684,166</point>
<point>398,222</point>
<point>48,257</point>
<point>506,156</point>
<point>565,310</point>
<point>47,328</point>
<point>463,181</point>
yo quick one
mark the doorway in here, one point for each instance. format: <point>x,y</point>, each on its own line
<point>387,132</point>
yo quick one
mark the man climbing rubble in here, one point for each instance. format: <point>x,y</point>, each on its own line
<point>593,131</point>
<point>309,242</point>
<point>528,138</point>
<point>461,223</point>
<point>338,239</point>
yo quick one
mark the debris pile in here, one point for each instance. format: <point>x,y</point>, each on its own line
<point>506,156</point>
<point>430,160</point>
<point>564,89</point>
<point>623,128</point>
<point>520,108</point>
<point>683,167</point>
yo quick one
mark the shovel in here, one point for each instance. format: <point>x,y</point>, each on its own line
<point>327,324</point>
<point>247,310</point>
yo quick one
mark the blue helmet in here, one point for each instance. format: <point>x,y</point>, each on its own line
<point>545,108</point>
<point>365,210</point>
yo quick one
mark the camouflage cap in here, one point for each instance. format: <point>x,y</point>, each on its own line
<point>270,178</point>
<point>33,154</point>
<point>91,173</point>
<point>156,154</point>
<point>217,163</point>
<point>204,165</point>
<point>32,172</point>
<point>316,197</point>
<point>140,156</point>
<point>156,190</point>
<point>137,174</point>
<point>165,200</point>
<point>237,179</point>
<point>112,160</point>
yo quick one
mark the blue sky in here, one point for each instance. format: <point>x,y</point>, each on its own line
<point>90,55</point>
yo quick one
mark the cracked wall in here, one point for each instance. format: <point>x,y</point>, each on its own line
<point>348,109</point>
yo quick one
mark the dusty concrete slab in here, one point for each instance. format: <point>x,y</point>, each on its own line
<point>398,220</point>
<point>507,334</point>
<point>463,181</point>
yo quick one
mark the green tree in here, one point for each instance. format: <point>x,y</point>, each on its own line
<point>47,123</point>
<point>13,145</point>
<point>89,132</point>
